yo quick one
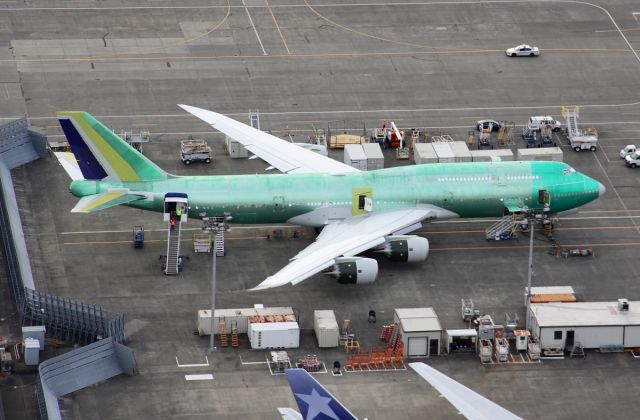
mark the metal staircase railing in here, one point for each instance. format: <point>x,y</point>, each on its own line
<point>173,250</point>
<point>505,226</point>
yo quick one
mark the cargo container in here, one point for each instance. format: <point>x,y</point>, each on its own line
<point>375,158</point>
<point>239,317</point>
<point>424,153</point>
<point>543,153</point>
<point>235,149</point>
<point>326,328</point>
<point>339,141</point>
<point>354,156</point>
<point>274,335</point>
<point>487,155</point>
<point>444,152</point>
<point>460,151</point>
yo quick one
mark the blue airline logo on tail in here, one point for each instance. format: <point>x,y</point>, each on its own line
<point>314,401</point>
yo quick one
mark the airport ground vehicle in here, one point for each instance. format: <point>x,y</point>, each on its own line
<point>632,160</point>
<point>484,124</point>
<point>628,149</point>
<point>138,237</point>
<point>523,50</point>
<point>195,150</point>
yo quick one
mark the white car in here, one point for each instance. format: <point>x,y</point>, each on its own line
<point>628,149</point>
<point>632,160</point>
<point>523,50</point>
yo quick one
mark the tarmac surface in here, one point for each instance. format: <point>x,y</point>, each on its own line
<point>326,66</point>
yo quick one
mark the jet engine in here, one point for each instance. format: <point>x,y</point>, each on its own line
<point>355,270</point>
<point>406,248</point>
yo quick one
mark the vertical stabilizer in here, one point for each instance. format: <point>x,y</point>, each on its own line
<point>102,154</point>
<point>314,401</point>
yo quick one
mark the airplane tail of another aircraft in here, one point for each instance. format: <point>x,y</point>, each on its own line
<point>100,153</point>
<point>314,401</point>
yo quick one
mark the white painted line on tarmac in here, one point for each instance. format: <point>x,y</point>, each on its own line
<point>254,28</point>
<point>201,377</point>
<point>617,194</point>
<point>193,364</point>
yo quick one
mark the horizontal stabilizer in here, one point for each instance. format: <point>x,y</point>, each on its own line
<point>70,165</point>
<point>97,202</point>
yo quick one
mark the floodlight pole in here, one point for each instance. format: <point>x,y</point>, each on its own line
<point>216,225</point>
<point>532,225</point>
<point>212,347</point>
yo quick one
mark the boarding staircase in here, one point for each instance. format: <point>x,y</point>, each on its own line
<point>173,249</point>
<point>504,228</point>
<point>218,244</point>
<point>571,116</point>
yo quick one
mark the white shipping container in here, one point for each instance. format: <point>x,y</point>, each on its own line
<point>236,150</point>
<point>375,158</point>
<point>424,153</point>
<point>540,153</point>
<point>354,156</point>
<point>274,335</point>
<point>460,151</point>
<point>326,328</point>
<point>444,152</point>
<point>486,155</point>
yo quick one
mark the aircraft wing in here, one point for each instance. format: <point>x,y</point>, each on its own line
<point>282,155</point>
<point>469,403</point>
<point>346,237</point>
<point>111,198</point>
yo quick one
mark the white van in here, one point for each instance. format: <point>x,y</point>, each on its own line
<point>537,122</point>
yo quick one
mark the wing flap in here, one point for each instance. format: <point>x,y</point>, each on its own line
<point>97,202</point>
<point>347,237</point>
<point>281,154</point>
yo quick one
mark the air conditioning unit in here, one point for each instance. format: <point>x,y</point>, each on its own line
<point>623,305</point>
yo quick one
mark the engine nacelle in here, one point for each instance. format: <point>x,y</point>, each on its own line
<point>406,248</point>
<point>355,270</point>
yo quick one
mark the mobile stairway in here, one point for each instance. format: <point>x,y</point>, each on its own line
<point>505,228</point>
<point>174,203</point>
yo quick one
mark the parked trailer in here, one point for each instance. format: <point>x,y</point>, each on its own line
<point>326,328</point>
<point>460,151</point>
<point>274,335</point>
<point>444,152</point>
<point>489,155</point>
<point>375,158</point>
<point>548,154</point>
<point>354,156</point>
<point>424,153</point>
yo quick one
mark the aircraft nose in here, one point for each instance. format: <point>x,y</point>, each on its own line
<point>601,189</point>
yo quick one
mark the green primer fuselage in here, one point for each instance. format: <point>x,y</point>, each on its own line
<point>476,189</point>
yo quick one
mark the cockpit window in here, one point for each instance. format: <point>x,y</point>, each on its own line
<point>568,171</point>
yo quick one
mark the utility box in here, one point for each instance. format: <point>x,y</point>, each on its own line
<point>274,335</point>
<point>424,153</point>
<point>31,351</point>
<point>36,332</point>
<point>354,156</point>
<point>236,149</point>
<point>375,158</point>
<point>326,328</point>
